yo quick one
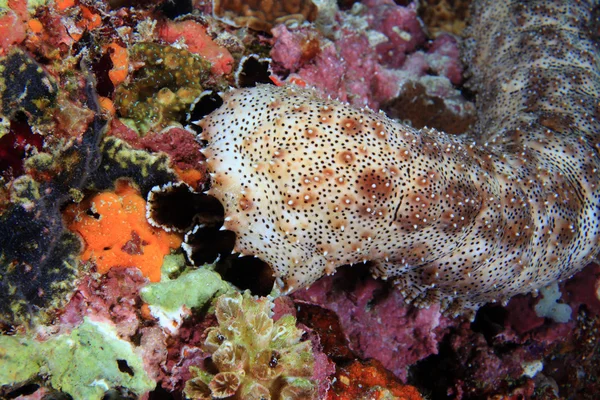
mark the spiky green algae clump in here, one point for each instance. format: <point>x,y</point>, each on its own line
<point>257,358</point>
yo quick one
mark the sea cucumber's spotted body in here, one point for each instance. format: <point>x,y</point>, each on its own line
<point>309,185</point>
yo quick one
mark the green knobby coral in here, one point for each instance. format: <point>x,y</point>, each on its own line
<point>163,89</point>
<point>257,358</point>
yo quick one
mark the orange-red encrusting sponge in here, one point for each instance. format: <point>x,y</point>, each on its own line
<point>369,379</point>
<point>116,234</point>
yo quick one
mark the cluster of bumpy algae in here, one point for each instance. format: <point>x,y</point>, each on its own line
<point>163,88</point>
<point>256,357</point>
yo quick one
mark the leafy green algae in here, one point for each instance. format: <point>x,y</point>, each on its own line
<point>84,363</point>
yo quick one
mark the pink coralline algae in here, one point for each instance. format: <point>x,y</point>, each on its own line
<point>12,30</point>
<point>180,144</point>
<point>584,290</point>
<point>115,297</point>
<point>378,323</point>
<point>370,57</point>
<point>400,26</point>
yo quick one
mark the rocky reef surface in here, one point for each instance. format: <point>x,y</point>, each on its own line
<point>116,278</point>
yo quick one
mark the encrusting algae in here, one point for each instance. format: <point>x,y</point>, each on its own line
<point>116,233</point>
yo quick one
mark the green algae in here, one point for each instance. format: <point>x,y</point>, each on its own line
<point>20,359</point>
<point>173,266</point>
<point>84,363</point>
<point>161,91</point>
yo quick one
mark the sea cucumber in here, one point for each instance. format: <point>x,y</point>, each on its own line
<point>310,184</point>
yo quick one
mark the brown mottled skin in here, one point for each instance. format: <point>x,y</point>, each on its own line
<point>309,184</point>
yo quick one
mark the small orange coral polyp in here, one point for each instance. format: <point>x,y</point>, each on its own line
<point>116,233</point>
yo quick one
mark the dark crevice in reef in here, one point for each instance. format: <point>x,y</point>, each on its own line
<point>207,245</point>
<point>101,68</point>
<point>176,8</point>
<point>247,273</point>
<point>208,102</point>
<point>489,321</point>
<point>177,207</point>
<point>16,145</point>
<point>252,71</point>
<point>22,391</point>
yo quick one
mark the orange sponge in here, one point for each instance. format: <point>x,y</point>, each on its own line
<point>116,234</point>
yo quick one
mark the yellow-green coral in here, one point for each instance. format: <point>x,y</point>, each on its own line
<point>162,90</point>
<point>257,358</point>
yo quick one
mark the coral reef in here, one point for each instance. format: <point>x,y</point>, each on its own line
<point>113,296</point>
<point>146,326</point>
<point>171,300</point>
<point>27,88</point>
<point>122,161</point>
<point>369,380</point>
<point>198,42</point>
<point>179,144</point>
<point>257,358</point>
<point>441,16</point>
<point>38,255</point>
<point>263,15</point>
<point>376,320</point>
<point>372,60</point>
<point>548,306</point>
<point>16,145</point>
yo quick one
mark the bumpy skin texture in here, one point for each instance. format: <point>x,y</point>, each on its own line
<point>309,184</point>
